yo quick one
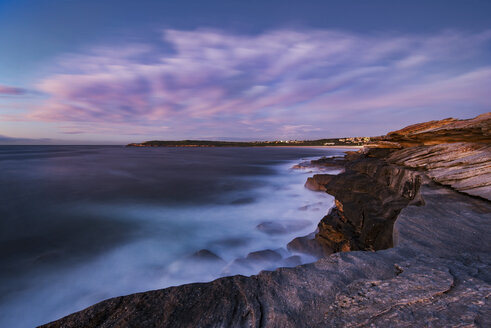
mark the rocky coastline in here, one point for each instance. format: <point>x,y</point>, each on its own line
<point>407,244</point>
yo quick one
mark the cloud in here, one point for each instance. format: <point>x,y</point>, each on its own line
<point>7,90</point>
<point>277,82</point>
<point>73,132</point>
<point>4,140</point>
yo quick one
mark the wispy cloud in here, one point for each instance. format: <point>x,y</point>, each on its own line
<point>279,82</point>
<point>8,90</point>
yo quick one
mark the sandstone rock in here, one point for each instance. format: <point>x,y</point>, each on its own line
<point>448,130</point>
<point>465,167</point>
<point>311,184</point>
<point>318,181</point>
<point>308,245</point>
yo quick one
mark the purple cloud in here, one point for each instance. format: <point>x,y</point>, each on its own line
<point>277,83</point>
<point>7,90</point>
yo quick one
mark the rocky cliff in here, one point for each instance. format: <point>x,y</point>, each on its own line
<point>405,246</point>
<point>449,130</point>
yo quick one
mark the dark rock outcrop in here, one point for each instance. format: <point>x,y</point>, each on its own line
<point>318,182</point>
<point>322,163</point>
<point>430,267</point>
<point>308,245</point>
<point>369,196</point>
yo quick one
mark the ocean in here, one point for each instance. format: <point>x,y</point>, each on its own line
<point>79,224</point>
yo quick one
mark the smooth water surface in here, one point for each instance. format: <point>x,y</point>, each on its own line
<point>79,224</point>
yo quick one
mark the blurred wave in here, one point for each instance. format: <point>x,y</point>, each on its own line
<point>79,224</point>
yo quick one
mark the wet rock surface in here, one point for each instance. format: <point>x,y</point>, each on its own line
<point>206,255</point>
<point>262,260</point>
<point>265,255</point>
<point>318,182</point>
<point>308,245</point>
<point>418,256</point>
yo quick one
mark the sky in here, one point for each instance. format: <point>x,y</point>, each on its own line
<point>114,72</point>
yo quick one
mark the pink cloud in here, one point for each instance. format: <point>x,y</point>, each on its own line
<point>7,90</point>
<point>269,82</point>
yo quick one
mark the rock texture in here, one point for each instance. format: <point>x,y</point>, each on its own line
<point>453,152</point>
<point>448,130</point>
<point>463,166</point>
<point>318,182</point>
<point>419,252</point>
<point>369,196</point>
<point>323,163</point>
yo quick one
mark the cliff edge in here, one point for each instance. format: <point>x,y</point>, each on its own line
<point>407,244</point>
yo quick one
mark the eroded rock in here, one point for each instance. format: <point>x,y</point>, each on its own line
<point>318,182</point>
<point>322,163</point>
<point>449,130</point>
<point>465,167</point>
<point>308,245</point>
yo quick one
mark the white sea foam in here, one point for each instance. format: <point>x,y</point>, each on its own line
<point>158,254</point>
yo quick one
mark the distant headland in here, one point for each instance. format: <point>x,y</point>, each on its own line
<point>353,141</point>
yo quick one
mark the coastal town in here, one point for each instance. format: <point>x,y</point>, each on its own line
<point>351,141</point>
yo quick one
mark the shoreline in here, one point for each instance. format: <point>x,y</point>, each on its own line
<point>403,246</point>
<point>416,266</point>
<point>299,146</point>
<point>332,147</point>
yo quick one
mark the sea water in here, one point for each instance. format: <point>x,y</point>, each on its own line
<point>80,224</point>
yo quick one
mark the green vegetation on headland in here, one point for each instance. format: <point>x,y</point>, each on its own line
<point>357,141</point>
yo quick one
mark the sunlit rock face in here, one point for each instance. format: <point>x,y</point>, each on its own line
<point>448,130</point>
<point>464,166</point>
<point>456,153</point>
